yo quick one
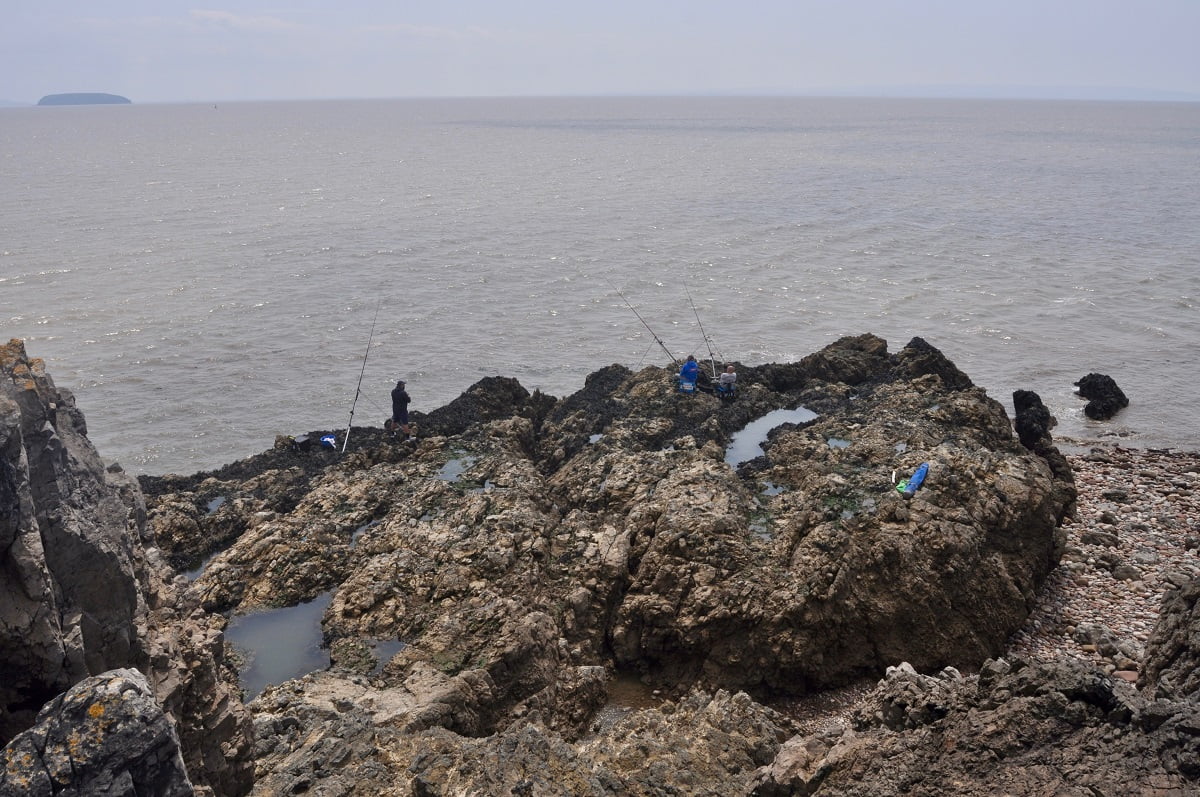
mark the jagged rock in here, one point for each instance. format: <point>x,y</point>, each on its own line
<point>106,735</point>
<point>650,514</point>
<point>852,361</point>
<point>919,357</point>
<point>86,591</point>
<point>1172,667</point>
<point>1017,727</point>
<point>333,736</point>
<point>1105,399</point>
<point>1033,423</point>
<point>526,548</point>
<point>69,598</point>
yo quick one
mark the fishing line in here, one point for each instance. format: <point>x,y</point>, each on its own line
<point>643,357</point>
<point>358,389</point>
<point>711,357</point>
<point>628,304</point>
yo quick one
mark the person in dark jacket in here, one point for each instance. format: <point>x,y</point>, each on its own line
<point>400,402</point>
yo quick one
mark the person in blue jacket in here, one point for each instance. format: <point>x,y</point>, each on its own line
<point>690,371</point>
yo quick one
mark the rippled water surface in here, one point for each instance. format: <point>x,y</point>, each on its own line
<point>204,278</point>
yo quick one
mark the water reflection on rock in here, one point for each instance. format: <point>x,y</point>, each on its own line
<point>279,644</point>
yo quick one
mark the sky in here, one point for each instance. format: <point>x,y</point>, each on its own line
<point>161,51</point>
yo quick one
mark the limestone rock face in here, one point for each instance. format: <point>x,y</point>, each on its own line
<point>86,591</point>
<point>68,537</point>
<point>105,735</point>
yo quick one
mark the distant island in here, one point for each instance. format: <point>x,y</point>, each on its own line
<point>83,98</point>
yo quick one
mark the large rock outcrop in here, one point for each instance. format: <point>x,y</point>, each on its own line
<point>525,549</point>
<point>86,591</point>
<point>528,558</point>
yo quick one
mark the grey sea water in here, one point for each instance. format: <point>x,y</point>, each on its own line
<point>205,277</point>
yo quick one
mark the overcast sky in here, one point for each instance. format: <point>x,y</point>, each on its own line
<point>176,51</point>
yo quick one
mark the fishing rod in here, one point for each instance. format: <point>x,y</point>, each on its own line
<point>358,389</point>
<point>657,339</point>
<point>711,357</point>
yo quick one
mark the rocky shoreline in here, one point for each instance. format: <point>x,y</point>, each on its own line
<point>530,560</point>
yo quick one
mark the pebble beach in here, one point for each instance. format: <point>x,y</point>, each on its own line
<point>1134,536</point>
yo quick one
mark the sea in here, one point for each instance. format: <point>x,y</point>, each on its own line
<point>206,277</point>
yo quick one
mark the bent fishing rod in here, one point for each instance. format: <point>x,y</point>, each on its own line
<point>358,389</point>
<point>711,357</point>
<point>657,339</point>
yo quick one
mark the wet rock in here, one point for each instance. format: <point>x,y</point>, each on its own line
<point>1105,399</point>
<point>1033,419</point>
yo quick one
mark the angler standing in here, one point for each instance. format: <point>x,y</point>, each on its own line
<point>400,402</point>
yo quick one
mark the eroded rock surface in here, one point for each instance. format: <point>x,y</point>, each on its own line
<point>525,549</point>
<point>68,534</point>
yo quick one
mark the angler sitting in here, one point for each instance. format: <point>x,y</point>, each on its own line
<point>688,375</point>
<point>727,383</point>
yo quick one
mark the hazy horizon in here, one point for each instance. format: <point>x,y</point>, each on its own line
<point>166,51</point>
<point>950,92</point>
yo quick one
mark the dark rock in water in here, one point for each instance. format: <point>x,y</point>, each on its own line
<point>1105,399</point>
<point>106,735</point>
<point>1033,423</point>
<point>83,98</point>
